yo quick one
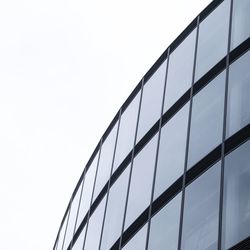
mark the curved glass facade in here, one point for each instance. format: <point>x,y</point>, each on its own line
<point>172,171</point>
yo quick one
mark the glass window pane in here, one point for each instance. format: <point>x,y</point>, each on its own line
<point>207,119</point>
<point>115,211</point>
<point>238,111</point>
<point>141,181</point>
<point>88,184</point>
<point>180,70</point>
<point>240,23</point>
<point>172,150</point>
<point>62,233</point>
<point>105,163</point>
<point>236,202</point>
<point>138,242</point>
<point>201,211</point>
<point>95,227</point>
<point>72,218</point>
<point>126,136</point>
<point>151,101</point>
<point>79,243</point>
<point>164,230</point>
<point>213,39</point>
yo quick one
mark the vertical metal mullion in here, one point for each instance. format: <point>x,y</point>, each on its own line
<point>67,223</point>
<point>188,136</point>
<point>157,152</point>
<point>111,170</point>
<point>92,195</point>
<point>131,164</point>
<point>224,130</point>
<point>78,208</point>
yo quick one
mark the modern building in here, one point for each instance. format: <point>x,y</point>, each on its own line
<point>172,171</point>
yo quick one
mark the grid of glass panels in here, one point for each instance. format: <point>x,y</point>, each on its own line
<point>196,128</point>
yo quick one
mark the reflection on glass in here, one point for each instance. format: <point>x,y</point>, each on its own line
<point>213,39</point>
<point>141,181</point>
<point>95,227</point>
<point>115,211</point>
<point>79,243</point>
<point>151,101</point>
<point>180,70</point>
<point>138,242</point>
<point>88,184</point>
<point>126,136</point>
<point>240,23</point>
<point>172,149</point>
<point>238,111</point>
<point>105,163</point>
<point>164,230</point>
<point>236,202</point>
<point>62,233</point>
<point>207,119</point>
<point>201,212</point>
<point>72,218</point>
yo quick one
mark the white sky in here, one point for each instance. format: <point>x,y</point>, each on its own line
<point>66,66</point>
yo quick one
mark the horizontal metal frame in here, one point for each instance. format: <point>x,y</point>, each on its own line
<point>201,165</point>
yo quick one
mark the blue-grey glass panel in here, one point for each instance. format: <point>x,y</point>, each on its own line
<point>180,70</point>
<point>72,218</point>
<point>236,198</point>
<point>151,101</point>
<point>79,243</point>
<point>201,211</point>
<point>138,242</point>
<point>88,184</point>
<point>238,111</point>
<point>164,230</point>
<point>126,136</point>
<point>62,233</point>
<point>105,162</point>
<point>115,211</point>
<point>172,150</point>
<point>141,181</point>
<point>95,227</point>
<point>207,119</point>
<point>240,22</point>
<point>213,39</point>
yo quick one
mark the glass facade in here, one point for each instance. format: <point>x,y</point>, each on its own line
<point>185,128</point>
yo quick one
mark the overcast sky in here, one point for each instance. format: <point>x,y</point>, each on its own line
<point>66,66</point>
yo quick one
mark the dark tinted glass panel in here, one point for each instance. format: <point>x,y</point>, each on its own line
<point>115,211</point>
<point>72,218</point>
<point>207,119</point>
<point>138,242</point>
<point>141,181</point>
<point>240,24</point>
<point>213,39</point>
<point>88,184</point>
<point>180,70</point>
<point>236,204</point>
<point>238,113</point>
<point>172,149</point>
<point>62,233</point>
<point>201,212</point>
<point>164,230</point>
<point>105,163</point>
<point>95,227</point>
<point>79,243</point>
<point>151,101</point>
<point>126,136</point>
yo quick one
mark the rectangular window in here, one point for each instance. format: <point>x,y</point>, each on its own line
<point>236,198</point>
<point>238,109</point>
<point>213,39</point>
<point>201,211</point>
